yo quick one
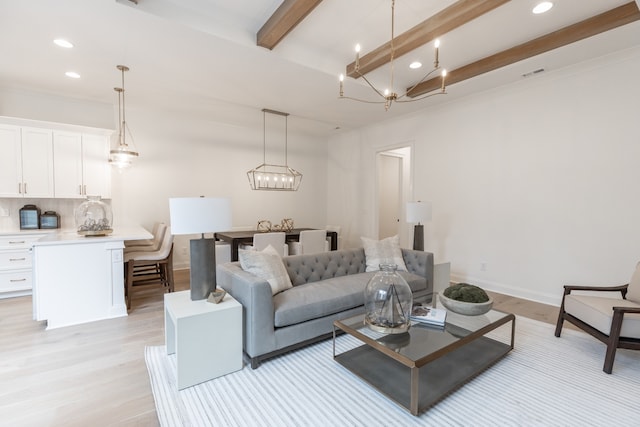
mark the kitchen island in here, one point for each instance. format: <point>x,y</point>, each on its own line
<point>78,279</point>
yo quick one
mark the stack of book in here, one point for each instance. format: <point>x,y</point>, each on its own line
<point>428,315</point>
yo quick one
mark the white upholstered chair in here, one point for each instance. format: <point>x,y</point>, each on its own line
<point>150,267</point>
<point>153,244</point>
<point>309,242</point>
<point>275,239</point>
<point>614,320</point>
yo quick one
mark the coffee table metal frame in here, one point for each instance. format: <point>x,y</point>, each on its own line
<point>420,368</point>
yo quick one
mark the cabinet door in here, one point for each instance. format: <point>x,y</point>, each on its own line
<point>96,169</point>
<point>10,162</point>
<point>67,165</point>
<point>37,162</point>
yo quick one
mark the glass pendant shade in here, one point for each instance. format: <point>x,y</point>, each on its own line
<point>387,301</point>
<point>122,156</point>
<point>94,217</point>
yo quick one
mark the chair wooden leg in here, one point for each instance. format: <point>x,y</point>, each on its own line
<point>129,282</point>
<point>561,315</point>
<point>559,323</point>
<point>614,339</point>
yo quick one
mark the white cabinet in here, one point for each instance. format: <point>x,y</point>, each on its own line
<point>16,264</point>
<point>81,165</point>
<point>96,170</point>
<point>26,165</point>
<point>10,161</point>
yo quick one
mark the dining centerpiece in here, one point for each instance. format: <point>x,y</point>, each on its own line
<point>387,301</point>
<point>94,217</point>
<point>463,298</point>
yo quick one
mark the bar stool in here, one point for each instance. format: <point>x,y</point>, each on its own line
<point>153,244</point>
<point>150,267</point>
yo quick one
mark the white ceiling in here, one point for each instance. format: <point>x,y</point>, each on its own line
<point>200,56</point>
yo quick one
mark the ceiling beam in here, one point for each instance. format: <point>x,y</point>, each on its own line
<point>284,19</point>
<point>606,21</point>
<point>441,23</point>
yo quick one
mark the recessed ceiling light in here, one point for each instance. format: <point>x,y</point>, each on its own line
<point>63,43</point>
<point>72,74</point>
<point>542,7</point>
<point>415,64</point>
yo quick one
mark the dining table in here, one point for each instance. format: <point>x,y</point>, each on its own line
<point>245,237</point>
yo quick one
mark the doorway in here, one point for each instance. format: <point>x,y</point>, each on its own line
<point>394,190</point>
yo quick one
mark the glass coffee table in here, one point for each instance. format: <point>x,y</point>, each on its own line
<point>418,368</point>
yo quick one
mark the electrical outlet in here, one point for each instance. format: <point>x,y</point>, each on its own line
<point>483,266</point>
<point>184,250</point>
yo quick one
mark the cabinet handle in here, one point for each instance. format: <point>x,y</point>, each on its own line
<point>25,188</point>
<point>17,242</point>
<point>80,190</point>
<point>19,188</point>
<point>84,189</point>
<point>17,259</point>
<point>17,280</point>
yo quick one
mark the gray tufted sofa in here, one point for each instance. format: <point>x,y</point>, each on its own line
<point>326,287</point>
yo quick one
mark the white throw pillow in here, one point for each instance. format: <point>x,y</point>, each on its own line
<point>385,251</point>
<point>266,264</point>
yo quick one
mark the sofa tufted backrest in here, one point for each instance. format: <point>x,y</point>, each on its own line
<point>325,265</point>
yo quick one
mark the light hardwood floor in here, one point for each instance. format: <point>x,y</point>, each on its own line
<point>94,374</point>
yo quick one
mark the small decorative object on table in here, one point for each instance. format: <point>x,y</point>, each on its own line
<point>216,296</point>
<point>93,217</point>
<point>466,299</point>
<point>264,226</point>
<point>428,315</point>
<point>387,302</point>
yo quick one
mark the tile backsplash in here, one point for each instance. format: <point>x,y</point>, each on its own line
<point>63,207</point>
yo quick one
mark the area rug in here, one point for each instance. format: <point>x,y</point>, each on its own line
<point>544,381</point>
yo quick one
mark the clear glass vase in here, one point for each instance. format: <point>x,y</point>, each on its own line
<point>387,301</point>
<point>94,217</point>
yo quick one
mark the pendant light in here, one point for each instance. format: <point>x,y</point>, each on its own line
<point>269,176</point>
<point>122,156</point>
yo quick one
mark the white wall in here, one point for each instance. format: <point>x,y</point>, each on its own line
<point>537,180</point>
<point>183,156</point>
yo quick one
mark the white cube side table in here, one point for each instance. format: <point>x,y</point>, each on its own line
<point>441,279</point>
<point>206,337</point>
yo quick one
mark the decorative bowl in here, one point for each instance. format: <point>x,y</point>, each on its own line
<point>466,308</point>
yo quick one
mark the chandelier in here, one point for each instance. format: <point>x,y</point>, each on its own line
<point>122,156</point>
<point>389,96</point>
<point>274,177</point>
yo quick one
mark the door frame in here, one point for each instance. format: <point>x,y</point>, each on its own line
<point>404,150</point>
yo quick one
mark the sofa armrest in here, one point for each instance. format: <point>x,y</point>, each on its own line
<point>420,263</point>
<point>255,296</point>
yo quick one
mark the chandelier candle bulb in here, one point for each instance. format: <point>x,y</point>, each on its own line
<point>358,56</point>
<point>436,63</point>
<point>444,75</point>
<point>341,84</point>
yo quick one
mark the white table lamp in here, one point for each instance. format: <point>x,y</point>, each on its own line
<point>418,212</point>
<point>199,215</point>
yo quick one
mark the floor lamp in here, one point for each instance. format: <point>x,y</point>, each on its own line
<point>418,212</point>
<point>199,215</point>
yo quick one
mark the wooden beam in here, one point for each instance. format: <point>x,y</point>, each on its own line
<point>284,19</point>
<point>606,21</point>
<point>441,23</point>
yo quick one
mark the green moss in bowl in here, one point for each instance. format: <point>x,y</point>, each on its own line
<point>466,293</point>
<point>466,299</point>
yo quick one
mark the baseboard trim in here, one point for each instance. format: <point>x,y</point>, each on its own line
<point>513,291</point>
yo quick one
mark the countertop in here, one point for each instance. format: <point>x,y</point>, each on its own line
<point>70,236</point>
